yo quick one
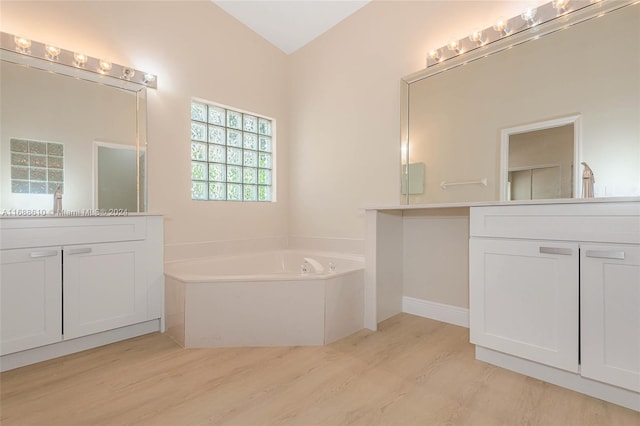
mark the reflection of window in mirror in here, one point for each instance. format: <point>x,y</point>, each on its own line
<point>541,164</point>
<point>36,167</point>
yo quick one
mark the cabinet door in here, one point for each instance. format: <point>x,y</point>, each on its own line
<point>524,299</point>
<point>30,298</point>
<point>104,287</point>
<point>610,314</point>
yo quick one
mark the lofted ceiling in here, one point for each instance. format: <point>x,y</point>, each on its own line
<point>290,24</point>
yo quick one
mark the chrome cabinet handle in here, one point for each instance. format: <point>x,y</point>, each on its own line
<point>79,251</point>
<point>605,254</point>
<point>556,250</point>
<point>46,253</point>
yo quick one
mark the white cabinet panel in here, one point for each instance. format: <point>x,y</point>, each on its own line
<point>30,298</point>
<point>610,315</point>
<point>105,287</point>
<point>524,299</point>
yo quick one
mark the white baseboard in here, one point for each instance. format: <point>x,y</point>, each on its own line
<point>66,347</point>
<point>566,379</point>
<point>437,311</point>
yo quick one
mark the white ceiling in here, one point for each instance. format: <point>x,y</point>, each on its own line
<point>290,24</point>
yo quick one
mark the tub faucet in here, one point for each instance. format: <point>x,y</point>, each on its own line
<point>317,267</point>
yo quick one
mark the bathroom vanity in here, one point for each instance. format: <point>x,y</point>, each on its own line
<point>73,283</point>
<point>554,287</point>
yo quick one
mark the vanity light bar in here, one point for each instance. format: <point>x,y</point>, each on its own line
<point>504,28</point>
<point>78,60</point>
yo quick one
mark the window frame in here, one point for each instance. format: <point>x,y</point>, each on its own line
<point>240,147</point>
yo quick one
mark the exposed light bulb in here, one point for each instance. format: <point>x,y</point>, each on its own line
<point>454,46</point>
<point>22,44</point>
<point>104,66</point>
<point>502,26</point>
<point>560,5</point>
<point>478,37</point>
<point>435,55</point>
<point>52,52</point>
<point>529,16</point>
<point>127,73</point>
<point>80,59</point>
<point>149,78</point>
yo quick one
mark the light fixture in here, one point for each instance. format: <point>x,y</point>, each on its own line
<point>478,38</point>
<point>52,52</point>
<point>104,66</point>
<point>529,16</point>
<point>19,45</point>
<point>560,5</point>
<point>455,46</point>
<point>79,59</point>
<point>22,44</point>
<point>502,26</point>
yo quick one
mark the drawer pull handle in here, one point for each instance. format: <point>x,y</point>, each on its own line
<point>79,251</point>
<point>556,250</point>
<point>605,254</point>
<point>47,253</point>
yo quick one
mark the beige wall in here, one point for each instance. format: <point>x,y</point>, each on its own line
<point>198,50</point>
<point>345,107</point>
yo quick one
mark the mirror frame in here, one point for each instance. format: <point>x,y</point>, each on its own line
<point>139,90</point>
<point>542,125</point>
<point>563,22</point>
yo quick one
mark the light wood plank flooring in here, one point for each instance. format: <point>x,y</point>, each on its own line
<point>413,371</point>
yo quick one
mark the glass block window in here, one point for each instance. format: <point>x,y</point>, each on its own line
<point>36,167</point>
<point>231,154</point>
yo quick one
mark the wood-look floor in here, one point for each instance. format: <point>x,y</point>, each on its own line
<point>413,371</point>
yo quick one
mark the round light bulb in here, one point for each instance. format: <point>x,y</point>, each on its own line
<point>529,14</point>
<point>434,54</point>
<point>105,66</point>
<point>127,73</point>
<point>501,26</point>
<point>454,46</point>
<point>52,51</point>
<point>80,59</point>
<point>477,37</point>
<point>22,44</point>
<point>559,4</point>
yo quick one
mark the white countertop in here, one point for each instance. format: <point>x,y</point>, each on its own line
<point>504,203</point>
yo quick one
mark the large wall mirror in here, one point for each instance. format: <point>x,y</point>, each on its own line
<point>574,93</point>
<point>67,130</point>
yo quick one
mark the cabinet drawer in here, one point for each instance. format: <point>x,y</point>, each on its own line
<point>594,222</point>
<point>42,232</point>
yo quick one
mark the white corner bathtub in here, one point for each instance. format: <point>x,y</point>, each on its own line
<point>263,299</point>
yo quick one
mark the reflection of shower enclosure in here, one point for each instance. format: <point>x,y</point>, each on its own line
<point>536,183</point>
<point>116,176</point>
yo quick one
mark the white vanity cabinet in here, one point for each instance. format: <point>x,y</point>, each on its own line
<point>104,287</point>
<point>72,283</point>
<point>30,298</point>
<point>610,313</point>
<point>524,299</point>
<point>555,294</point>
